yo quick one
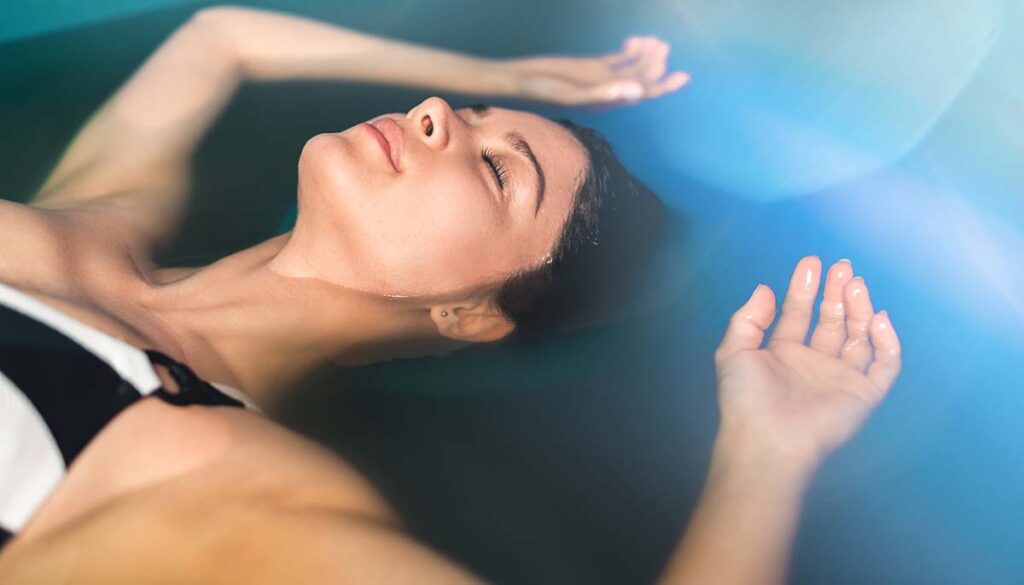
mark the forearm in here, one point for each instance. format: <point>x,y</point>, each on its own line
<point>274,46</point>
<point>743,527</point>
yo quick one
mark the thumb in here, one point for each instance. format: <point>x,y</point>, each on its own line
<point>748,324</point>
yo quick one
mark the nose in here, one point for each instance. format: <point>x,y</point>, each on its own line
<point>434,119</point>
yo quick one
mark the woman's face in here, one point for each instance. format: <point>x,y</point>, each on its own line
<point>439,218</point>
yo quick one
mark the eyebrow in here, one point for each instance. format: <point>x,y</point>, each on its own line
<point>520,145</point>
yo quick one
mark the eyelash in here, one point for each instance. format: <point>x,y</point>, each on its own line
<point>497,167</point>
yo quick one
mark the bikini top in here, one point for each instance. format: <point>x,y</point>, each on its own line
<point>61,382</point>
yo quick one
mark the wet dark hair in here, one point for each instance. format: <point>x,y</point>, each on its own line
<point>613,228</point>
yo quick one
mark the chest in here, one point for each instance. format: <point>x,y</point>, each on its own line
<point>147,443</point>
<point>86,274</point>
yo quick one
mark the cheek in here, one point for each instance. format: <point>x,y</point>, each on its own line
<point>427,235</point>
<point>440,231</point>
<point>417,233</point>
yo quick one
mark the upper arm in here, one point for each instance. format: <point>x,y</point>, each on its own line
<point>138,145</point>
<point>60,250</point>
<point>34,249</point>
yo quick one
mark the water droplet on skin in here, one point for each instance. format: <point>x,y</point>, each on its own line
<point>859,287</point>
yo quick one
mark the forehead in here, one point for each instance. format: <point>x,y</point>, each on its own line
<point>553,143</point>
<point>562,158</point>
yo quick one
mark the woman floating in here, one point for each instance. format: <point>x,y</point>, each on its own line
<point>133,447</point>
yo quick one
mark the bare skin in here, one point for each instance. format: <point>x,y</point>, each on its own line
<point>260,318</point>
<point>364,234</point>
<point>214,494</point>
<point>784,409</point>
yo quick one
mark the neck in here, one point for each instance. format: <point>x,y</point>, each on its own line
<point>240,322</point>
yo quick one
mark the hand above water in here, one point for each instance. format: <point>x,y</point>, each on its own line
<point>801,399</point>
<point>635,73</point>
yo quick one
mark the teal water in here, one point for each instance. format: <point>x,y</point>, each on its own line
<point>20,19</point>
<point>578,459</point>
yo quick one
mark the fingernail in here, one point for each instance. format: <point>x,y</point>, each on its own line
<point>883,323</point>
<point>839,271</point>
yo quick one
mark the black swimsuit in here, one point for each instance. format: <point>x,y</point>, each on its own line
<point>73,393</point>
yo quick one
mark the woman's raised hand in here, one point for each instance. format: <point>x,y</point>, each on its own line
<point>802,399</point>
<point>636,72</point>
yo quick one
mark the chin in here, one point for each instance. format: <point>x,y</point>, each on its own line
<point>327,164</point>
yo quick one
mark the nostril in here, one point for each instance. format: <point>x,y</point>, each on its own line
<point>428,125</point>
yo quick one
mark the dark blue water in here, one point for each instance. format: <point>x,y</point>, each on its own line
<point>578,460</point>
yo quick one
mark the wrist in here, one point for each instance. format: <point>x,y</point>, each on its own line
<point>740,455</point>
<point>507,77</point>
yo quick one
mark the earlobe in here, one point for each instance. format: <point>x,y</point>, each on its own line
<point>475,322</point>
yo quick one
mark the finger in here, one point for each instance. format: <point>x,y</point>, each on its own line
<point>632,66</point>
<point>633,45</point>
<point>630,51</point>
<point>748,324</point>
<point>672,83</point>
<point>830,332</point>
<point>675,81</point>
<point>613,91</point>
<point>857,349</point>
<point>888,353</point>
<point>656,60</point>
<point>640,53</point>
<point>798,305</point>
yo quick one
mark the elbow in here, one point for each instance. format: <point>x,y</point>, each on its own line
<point>219,20</point>
<point>217,14</point>
<point>217,25</point>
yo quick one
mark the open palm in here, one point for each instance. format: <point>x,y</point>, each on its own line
<point>636,72</point>
<point>807,398</point>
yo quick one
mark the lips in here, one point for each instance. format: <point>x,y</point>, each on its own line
<point>388,134</point>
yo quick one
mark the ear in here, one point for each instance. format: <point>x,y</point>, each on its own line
<point>476,321</point>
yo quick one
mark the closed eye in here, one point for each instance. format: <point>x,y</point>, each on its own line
<point>519,144</point>
<point>497,168</point>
